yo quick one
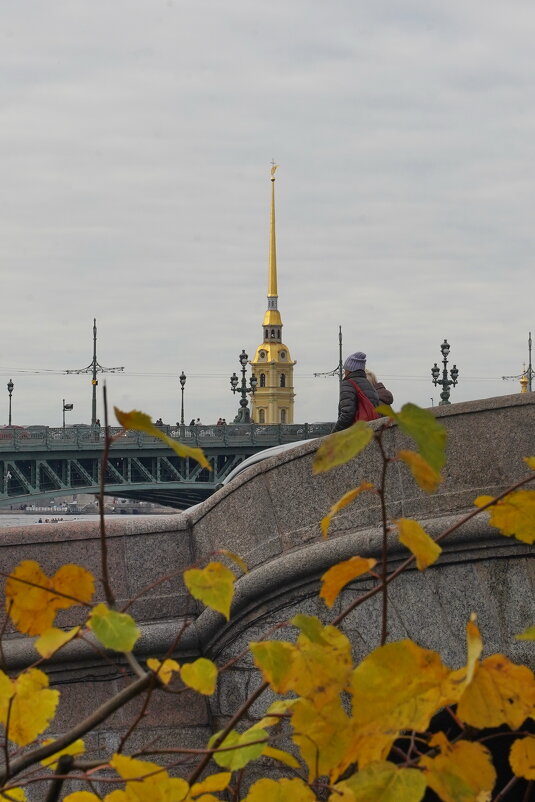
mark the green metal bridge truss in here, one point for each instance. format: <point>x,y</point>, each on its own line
<point>40,462</point>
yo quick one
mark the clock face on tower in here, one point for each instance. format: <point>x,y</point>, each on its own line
<point>283,354</point>
<point>262,354</point>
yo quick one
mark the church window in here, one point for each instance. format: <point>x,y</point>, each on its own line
<point>267,334</point>
<point>279,333</point>
<point>283,416</point>
<point>261,416</point>
<point>283,379</point>
<point>262,380</point>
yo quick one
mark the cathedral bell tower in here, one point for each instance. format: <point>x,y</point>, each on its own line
<point>273,401</point>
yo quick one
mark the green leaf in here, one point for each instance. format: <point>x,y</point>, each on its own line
<point>239,757</point>
<point>213,585</point>
<point>310,626</point>
<point>201,675</point>
<point>428,434</point>
<point>340,447</point>
<point>384,782</point>
<point>114,630</point>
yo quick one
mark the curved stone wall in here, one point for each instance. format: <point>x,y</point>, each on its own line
<point>270,517</point>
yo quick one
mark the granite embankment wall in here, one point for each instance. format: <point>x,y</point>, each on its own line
<point>270,517</point>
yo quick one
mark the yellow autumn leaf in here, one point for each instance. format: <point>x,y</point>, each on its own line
<point>522,757</point>
<point>322,662</point>
<point>114,630</point>
<point>148,782</point>
<point>32,707</point>
<point>340,574</point>
<point>163,670</point>
<point>458,680</point>
<point>13,795</point>
<point>530,461</point>
<point>416,539</point>
<point>83,796</point>
<point>527,634</point>
<point>340,447</point>
<point>462,771</point>
<point>140,422</point>
<point>281,756</point>
<point>424,475</point>
<point>280,791</point>
<point>33,609</point>
<point>201,675</point>
<point>53,639</point>
<point>76,748</point>
<point>73,580</point>
<point>346,499</point>
<point>398,686</point>
<point>383,782</point>
<point>323,735</point>
<point>513,515</point>
<point>215,782</point>
<point>500,692</point>
<point>212,585</point>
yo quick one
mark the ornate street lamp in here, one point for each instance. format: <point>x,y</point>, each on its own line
<point>244,414</point>
<point>10,387</point>
<point>444,381</point>
<point>182,379</point>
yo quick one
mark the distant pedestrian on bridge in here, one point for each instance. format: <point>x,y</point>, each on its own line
<point>385,396</point>
<point>353,385</point>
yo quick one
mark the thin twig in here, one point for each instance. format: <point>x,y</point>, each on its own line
<point>6,737</point>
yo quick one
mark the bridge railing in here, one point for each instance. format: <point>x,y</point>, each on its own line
<point>35,438</point>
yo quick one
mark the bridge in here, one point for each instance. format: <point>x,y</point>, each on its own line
<point>40,462</point>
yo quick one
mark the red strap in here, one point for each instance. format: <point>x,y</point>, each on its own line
<point>365,410</point>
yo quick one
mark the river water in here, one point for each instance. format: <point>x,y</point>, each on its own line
<point>22,519</point>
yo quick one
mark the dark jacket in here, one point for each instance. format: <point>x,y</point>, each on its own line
<point>385,396</point>
<point>348,404</point>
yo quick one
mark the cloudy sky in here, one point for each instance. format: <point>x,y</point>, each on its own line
<point>135,146</point>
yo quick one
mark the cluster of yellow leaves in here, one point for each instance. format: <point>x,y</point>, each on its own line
<point>396,689</point>
<point>27,705</point>
<point>33,599</point>
<point>148,782</point>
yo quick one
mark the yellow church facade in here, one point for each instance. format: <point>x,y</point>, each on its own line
<point>272,366</point>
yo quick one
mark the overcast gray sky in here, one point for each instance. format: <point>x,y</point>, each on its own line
<point>135,141</point>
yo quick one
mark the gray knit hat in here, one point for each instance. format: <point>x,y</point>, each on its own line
<point>356,361</point>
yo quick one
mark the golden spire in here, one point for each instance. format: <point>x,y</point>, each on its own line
<point>272,270</point>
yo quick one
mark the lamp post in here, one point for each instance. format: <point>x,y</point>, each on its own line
<point>66,408</point>
<point>244,414</point>
<point>182,380</point>
<point>444,381</point>
<point>10,387</point>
